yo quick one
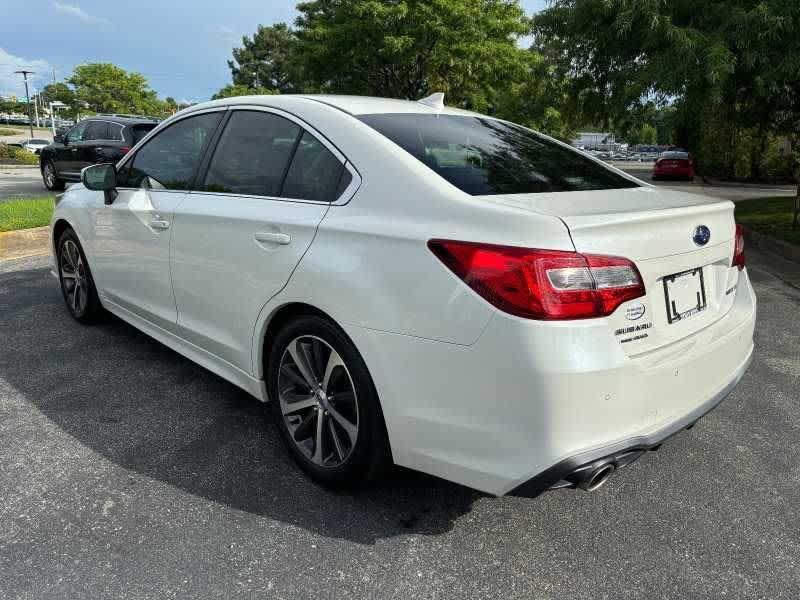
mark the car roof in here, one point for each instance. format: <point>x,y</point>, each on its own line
<point>123,119</point>
<point>353,105</point>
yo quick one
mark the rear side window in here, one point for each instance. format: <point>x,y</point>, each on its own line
<point>488,157</point>
<point>96,130</point>
<point>115,132</point>
<point>170,159</point>
<point>252,155</point>
<point>139,131</point>
<point>314,173</point>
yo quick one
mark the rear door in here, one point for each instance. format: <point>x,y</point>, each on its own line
<point>239,236</point>
<point>92,149</point>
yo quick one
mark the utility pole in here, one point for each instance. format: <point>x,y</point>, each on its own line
<point>25,74</point>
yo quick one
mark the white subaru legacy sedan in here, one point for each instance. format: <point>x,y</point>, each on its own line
<point>410,283</point>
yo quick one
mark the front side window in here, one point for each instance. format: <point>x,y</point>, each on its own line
<point>252,155</point>
<point>76,133</point>
<point>170,159</point>
<point>314,173</point>
<point>482,156</point>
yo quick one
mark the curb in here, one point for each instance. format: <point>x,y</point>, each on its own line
<point>772,245</point>
<point>24,243</point>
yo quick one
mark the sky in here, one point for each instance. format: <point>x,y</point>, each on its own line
<point>181,46</point>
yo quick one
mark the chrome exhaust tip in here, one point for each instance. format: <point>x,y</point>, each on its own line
<point>595,478</point>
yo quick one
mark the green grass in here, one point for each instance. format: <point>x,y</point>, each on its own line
<point>771,216</point>
<point>4,131</point>
<point>25,213</point>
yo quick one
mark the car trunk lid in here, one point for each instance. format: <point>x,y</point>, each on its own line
<point>689,285</point>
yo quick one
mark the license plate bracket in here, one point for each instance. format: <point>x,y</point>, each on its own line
<point>684,294</point>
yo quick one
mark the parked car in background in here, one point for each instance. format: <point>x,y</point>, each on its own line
<point>414,283</point>
<point>674,164</point>
<point>100,139</point>
<point>34,145</point>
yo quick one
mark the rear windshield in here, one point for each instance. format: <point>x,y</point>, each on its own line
<point>674,155</point>
<point>487,157</point>
<point>39,141</point>
<point>139,131</point>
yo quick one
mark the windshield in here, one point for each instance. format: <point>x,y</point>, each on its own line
<point>482,156</point>
<point>39,142</point>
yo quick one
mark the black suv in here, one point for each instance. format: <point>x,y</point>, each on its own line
<point>100,139</point>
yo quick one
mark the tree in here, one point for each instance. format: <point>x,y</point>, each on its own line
<point>58,92</point>
<point>232,90</point>
<point>106,88</point>
<point>267,61</point>
<point>408,49</point>
<point>411,48</point>
<point>726,65</point>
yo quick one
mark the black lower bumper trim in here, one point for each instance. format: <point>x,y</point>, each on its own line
<point>625,452</point>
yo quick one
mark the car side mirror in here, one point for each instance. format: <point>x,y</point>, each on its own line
<point>58,138</point>
<point>101,178</point>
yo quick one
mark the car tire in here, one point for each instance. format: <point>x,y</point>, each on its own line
<point>349,447</point>
<point>50,177</point>
<point>75,277</point>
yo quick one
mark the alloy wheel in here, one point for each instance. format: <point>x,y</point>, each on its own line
<point>73,278</point>
<point>318,401</point>
<point>49,175</point>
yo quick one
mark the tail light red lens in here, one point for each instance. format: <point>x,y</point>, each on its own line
<point>738,248</point>
<point>542,284</point>
<point>124,149</point>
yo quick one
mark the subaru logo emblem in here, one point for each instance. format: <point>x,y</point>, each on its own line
<point>701,235</point>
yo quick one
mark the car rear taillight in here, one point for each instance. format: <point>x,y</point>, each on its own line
<point>542,284</point>
<point>738,248</point>
<point>124,149</point>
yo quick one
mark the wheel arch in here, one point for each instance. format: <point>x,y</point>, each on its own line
<point>277,319</point>
<point>285,313</point>
<point>59,227</point>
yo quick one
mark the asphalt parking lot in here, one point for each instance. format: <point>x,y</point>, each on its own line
<point>126,471</point>
<point>21,182</point>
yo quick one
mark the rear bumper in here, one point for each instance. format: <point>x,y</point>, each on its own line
<point>529,400</point>
<point>624,453</point>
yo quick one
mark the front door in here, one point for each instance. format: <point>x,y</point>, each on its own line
<point>68,155</point>
<point>132,235</point>
<point>238,238</point>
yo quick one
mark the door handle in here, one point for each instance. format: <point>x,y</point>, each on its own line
<point>270,237</point>
<point>160,225</point>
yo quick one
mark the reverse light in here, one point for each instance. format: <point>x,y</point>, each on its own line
<point>738,248</point>
<point>546,285</point>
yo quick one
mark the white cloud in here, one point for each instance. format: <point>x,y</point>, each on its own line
<point>225,33</point>
<point>12,84</point>
<point>73,10</point>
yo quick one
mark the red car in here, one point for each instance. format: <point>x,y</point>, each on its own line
<point>674,165</point>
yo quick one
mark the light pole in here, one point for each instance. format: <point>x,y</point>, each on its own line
<point>25,74</point>
<point>36,105</point>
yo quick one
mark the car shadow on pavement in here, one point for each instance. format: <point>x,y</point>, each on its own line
<point>148,409</point>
